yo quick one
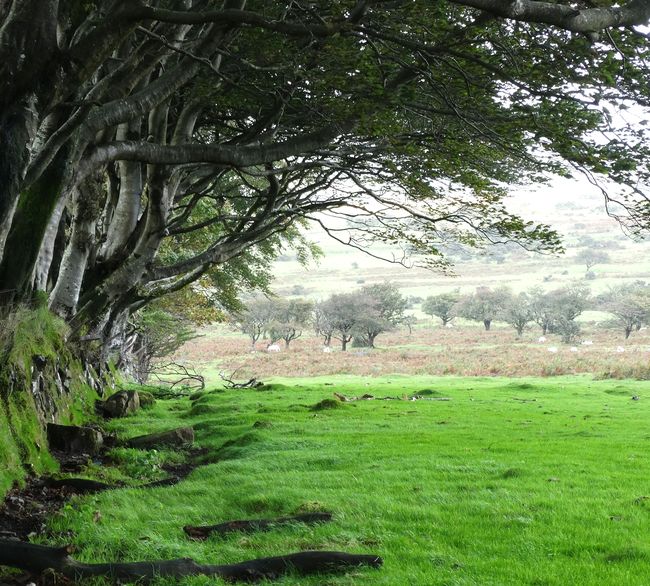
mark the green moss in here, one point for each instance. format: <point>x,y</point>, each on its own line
<point>9,455</point>
<point>147,399</point>
<point>37,332</point>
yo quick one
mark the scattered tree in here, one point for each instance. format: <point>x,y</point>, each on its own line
<point>556,311</point>
<point>484,305</point>
<point>629,304</point>
<point>590,258</point>
<point>567,304</point>
<point>518,312</point>
<point>542,309</point>
<point>384,308</point>
<point>342,314</point>
<point>442,306</point>
<point>254,319</point>
<point>409,321</point>
<point>289,318</point>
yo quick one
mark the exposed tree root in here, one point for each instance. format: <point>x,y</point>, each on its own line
<point>366,397</point>
<point>249,526</point>
<point>79,485</point>
<point>182,436</point>
<point>38,558</point>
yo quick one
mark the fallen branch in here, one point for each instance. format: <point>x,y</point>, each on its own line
<point>189,377</point>
<point>249,526</point>
<point>38,558</point>
<point>230,383</point>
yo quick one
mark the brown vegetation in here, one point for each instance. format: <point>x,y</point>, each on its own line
<point>463,351</point>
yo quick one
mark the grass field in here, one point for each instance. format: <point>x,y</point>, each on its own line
<point>511,481</point>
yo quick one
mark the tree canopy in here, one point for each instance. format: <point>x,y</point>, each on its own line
<point>149,144</point>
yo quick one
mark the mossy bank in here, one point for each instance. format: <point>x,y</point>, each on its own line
<point>41,381</point>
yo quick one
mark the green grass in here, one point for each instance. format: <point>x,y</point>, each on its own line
<point>512,481</point>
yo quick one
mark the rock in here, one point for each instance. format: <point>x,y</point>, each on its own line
<point>39,361</point>
<point>121,404</point>
<point>73,439</point>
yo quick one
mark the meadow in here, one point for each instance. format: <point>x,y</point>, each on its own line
<point>507,481</point>
<point>516,465</point>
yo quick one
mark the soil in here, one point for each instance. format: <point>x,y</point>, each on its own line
<point>25,511</point>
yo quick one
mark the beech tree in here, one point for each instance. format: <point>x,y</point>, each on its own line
<point>147,143</point>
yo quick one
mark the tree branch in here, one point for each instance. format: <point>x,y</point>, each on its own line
<point>588,20</point>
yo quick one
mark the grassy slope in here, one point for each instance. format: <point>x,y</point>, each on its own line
<point>527,481</point>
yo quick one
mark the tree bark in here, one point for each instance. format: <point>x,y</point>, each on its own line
<point>46,252</point>
<point>28,227</point>
<point>127,210</point>
<point>88,205</point>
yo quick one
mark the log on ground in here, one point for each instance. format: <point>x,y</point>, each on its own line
<point>38,558</point>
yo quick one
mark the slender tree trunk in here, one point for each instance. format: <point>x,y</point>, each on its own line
<point>65,295</point>
<point>127,211</point>
<point>15,131</point>
<point>628,331</point>
<point>344,344</point>
<point>46,252</point>
<point>30,222</point>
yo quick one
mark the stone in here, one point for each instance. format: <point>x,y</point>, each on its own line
<point>73,439</point>
<point>121,404</point>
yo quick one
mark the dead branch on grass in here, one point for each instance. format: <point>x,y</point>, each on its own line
<point>230,383</point>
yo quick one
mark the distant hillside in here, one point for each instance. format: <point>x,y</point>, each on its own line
<point>570,207</point>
